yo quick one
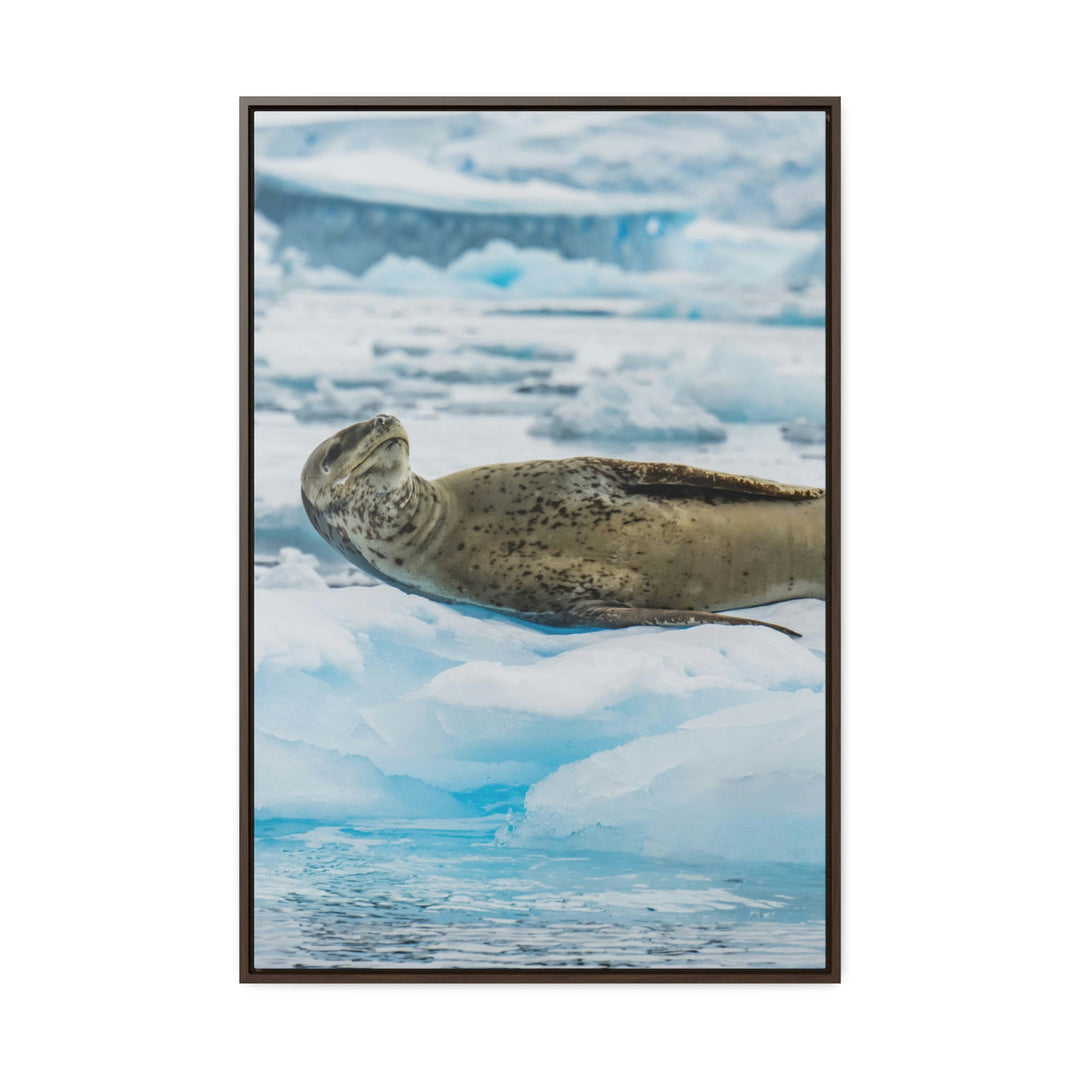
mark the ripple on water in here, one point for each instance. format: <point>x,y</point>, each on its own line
<point>400,897</point>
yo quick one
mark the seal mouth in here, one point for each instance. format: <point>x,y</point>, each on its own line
<point>378,446</point>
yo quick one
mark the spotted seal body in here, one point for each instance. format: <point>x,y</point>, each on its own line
<point>578,542</point>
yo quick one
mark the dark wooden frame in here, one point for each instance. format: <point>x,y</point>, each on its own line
<point>831,972</point>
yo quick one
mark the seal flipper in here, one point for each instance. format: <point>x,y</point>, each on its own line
<point>615,617</point>
<point>658,475</point>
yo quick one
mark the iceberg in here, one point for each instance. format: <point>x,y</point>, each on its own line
<point>695,212</point>
<point>336,229</point>
<point>642,192</point>
<point>763,168</point>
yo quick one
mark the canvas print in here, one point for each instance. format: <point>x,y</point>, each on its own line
<point>539,506</point>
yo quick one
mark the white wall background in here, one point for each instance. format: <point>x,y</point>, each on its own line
<point>119,264</point>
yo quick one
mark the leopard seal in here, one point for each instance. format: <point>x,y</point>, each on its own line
<point>577,542</point>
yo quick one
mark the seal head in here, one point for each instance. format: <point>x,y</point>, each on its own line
<point>358,478</point>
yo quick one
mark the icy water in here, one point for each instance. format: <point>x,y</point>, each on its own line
<point>396,894</point>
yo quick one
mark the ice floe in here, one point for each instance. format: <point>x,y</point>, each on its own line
<point>458,698</point>
<point>744,782</point>
<point>629,410</point>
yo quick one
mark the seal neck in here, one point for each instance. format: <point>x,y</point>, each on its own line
<point>413,514</point>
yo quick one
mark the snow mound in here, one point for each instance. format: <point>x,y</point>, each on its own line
<point>735,388</point>
<point>629,411</point>
<point>293,570</point>
<point>609,672</point>
<point>745,782</point>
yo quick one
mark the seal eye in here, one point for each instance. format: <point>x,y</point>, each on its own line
<point>331,456</point>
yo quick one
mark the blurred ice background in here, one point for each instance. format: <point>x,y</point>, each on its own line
<point>440,786</point>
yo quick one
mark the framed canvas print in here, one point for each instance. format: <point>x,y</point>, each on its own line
<point>539,539</point>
